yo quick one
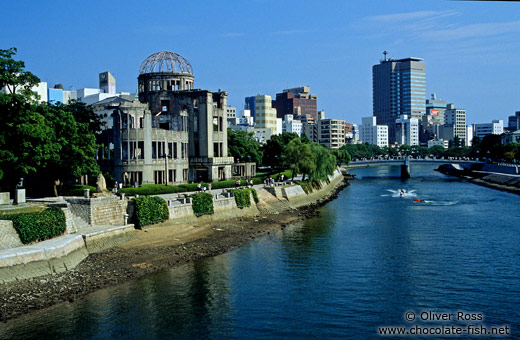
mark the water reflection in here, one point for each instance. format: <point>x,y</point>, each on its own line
<point>367,259</point>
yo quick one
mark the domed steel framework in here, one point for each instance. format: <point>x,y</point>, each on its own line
<point>165,62</point>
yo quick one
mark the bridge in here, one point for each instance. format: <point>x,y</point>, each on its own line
<point>405,162</point>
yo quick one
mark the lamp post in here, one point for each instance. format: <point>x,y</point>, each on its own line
<point>165,156</point>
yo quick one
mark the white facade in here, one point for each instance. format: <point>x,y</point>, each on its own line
<point>440,142</point>
<point>496,127</point>
<point>407,130</point>
<point>469,133</point>
<point>456,118</point>
<point>371,133</point>
<point>40,90</point>
<point>292,125</point>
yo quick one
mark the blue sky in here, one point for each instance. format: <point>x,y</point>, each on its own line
<point>471,49</point>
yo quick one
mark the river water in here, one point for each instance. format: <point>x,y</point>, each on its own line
<point>368,259</point>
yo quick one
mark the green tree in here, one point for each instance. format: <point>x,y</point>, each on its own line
<point>342,156</point>
<point>13,74</point>
<point>324,162</point>
<point>243,147</point>
<point>273,149</point>
<point>76,156</point>
<point>298,157</point>
<point>43,140</point>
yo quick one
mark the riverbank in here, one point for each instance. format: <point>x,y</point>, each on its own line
<point>154,249</point>
<point>497,181</point>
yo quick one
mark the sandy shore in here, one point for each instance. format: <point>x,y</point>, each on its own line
<point>156,248</point>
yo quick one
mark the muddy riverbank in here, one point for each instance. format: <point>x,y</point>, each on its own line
<point>156,248</point>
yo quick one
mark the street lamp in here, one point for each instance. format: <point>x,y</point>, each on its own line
<point>165,156</point>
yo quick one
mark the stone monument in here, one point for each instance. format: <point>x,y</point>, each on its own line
<point>101,187</point>
<point>101,184</point>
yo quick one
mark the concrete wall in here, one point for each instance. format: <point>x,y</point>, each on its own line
<point>107,210</point>
<point>501,169</point>
<point>8,236</point>
<point>59,254</point>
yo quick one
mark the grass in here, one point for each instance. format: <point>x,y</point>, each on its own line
<point>29,209</point>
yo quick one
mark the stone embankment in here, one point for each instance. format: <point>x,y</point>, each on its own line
<point>488,175</point>
<point>182,239</point>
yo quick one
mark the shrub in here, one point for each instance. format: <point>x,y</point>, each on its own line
<point>243,197</point>
<point>76,189</point>
<point>38,226</point>
<point>149,210</point>
<point>202,204</point>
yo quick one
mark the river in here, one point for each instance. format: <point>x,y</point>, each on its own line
<point>370,257</point>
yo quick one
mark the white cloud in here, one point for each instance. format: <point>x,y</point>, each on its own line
<point>410,16</point>
<point>472,31</point>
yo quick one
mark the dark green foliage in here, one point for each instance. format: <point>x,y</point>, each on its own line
<point>155,189</point>
<point>38,226</point>
<point>243,147</point>
<point>50,142</point>
<point>149,210</point>
<point>202,204</point>
<point>273,149</point>
<point>76,190</point>
<point>243,197</point>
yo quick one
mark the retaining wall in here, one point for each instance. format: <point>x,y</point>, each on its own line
<point>8,235</point>
<point>107,210</point>
<point>59,254</point>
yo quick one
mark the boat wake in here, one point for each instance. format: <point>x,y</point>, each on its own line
<point>402,193</point>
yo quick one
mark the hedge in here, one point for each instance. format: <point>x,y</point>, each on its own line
<point>243,197</point>
<point>202,204</point>
<point>149,210</point>
<point>38,226</point>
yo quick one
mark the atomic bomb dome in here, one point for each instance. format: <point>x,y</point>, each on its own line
<point>165,62</point>
<point>163,72</point>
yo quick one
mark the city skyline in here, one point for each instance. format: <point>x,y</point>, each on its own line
<point>265,47</point>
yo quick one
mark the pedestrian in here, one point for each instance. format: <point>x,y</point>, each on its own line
<point>251,182</point>
<point>115,187</point>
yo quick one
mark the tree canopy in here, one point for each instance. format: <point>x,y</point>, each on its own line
<point>243,147</point>
<point>53,142</point>
<point>273,155</point>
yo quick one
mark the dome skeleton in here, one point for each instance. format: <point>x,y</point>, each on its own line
<point>165,62</point>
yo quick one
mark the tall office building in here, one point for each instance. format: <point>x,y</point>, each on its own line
<point>454,124</point>
<point>514,122</point>
<point>398,88</point>
<point>297,102</point>
<point>372,133</point>
<point>266,114</point>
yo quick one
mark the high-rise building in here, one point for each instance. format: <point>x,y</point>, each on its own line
<point>265,114</point>
<point>398,88</point>
<point>496,127</point>
<point>513,122</point>
<point>331,132</point>
<point>371,133</point>
<point>298,102</point>
<point>407,130</point>
<point>454,124</point>
<point>250,105</point>
<point>435,109</point>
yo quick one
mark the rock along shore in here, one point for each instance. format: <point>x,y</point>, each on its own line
<point>154,249</point>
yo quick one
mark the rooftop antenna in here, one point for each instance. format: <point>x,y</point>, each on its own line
<point>385,53</point>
